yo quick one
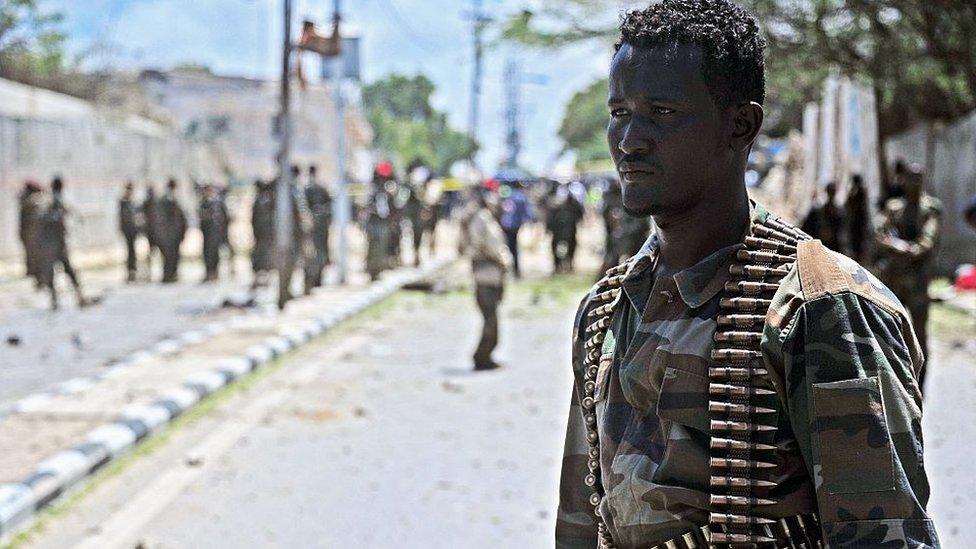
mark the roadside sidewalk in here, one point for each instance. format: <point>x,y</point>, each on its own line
<point>109,415</point>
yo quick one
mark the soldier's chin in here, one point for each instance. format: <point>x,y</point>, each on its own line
<point>641,208</point>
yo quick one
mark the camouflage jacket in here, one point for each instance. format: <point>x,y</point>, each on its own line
<point>843,359</point>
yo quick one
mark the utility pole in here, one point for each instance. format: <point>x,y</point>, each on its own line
<point>283,206</point>
<point>342,207</point>
<point>513,137</point>
<point>479,21</point>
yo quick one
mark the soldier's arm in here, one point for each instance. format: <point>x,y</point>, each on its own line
<point>928,236</point>
<point>575,521</point>
<point>849,361</point>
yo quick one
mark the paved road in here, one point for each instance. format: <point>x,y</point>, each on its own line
<point>377,436</point>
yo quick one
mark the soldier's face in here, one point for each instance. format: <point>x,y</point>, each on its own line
<point>666,134</point>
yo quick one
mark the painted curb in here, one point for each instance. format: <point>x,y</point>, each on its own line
<point>20,501</point>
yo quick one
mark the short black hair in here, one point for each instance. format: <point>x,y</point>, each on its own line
<point>732,45</point>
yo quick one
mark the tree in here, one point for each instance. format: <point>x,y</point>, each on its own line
<point>408,128</point>
<point>919,57</point>
<point>584,125</point>
<point>29,39</point>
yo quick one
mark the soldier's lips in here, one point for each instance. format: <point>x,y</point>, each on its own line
<point>634,176</point>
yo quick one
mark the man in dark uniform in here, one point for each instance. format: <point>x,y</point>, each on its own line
<point>171,227</point>
<point>565,215</point>
<point>30,215</point>
<point>129,227</point>
<point>150,227</point>
<point>223,195</point>
<point>210,215</point>
<point>262,228</point>
<point>826,221</point>
<point>858,221</point>
<point>320,207</point>
<point>54,245</point>
<point>376,218</point>
<point>737,384</point>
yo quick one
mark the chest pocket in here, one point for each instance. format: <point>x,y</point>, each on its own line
<point>682,409</point>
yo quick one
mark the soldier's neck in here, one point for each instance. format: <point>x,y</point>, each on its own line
<point>686,238</point>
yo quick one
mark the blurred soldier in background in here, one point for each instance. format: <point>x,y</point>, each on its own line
<point>413,211</point>
<point>30,215</point>
<point>54,245</point>
<point>377,220</point>
<point>129,227</point>
<point>625,234</point>
<point>490,261</point>
<point>907,234</point>
<point>565,214</point>
<point>320,208</point>
<point>171,228</point>
<point>516,211</point>
<point>300,229</point>
<point>857,219</point>
<point>262,227</point>
<point>826,220</point>
<point>150,227</point>
<point>213,226</point>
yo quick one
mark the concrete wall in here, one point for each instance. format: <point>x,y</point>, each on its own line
<point>95,151</point>
<point>949,155</point>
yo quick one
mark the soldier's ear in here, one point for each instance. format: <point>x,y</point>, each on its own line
<point>747,119</point>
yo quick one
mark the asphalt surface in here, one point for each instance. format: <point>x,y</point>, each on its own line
<point>376,436</point>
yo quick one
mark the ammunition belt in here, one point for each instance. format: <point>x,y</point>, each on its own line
<point>796,532</point>
<point>742,411</point>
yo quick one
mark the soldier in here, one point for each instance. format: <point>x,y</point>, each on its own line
<point>129,227</point>
<point>907,234</point>
<point>516,212</point>
<point>210,215</point>
<point>320,207</point>
<point>150,227</point>
<point>737,384</point>
<point>170,229</point>
<point>625,233</point>
<point>826,221</point>
<point>54,245</point>
<point>30,214</point>
<point>490,261</point>
<point>376,220</point>
<point>856,209</point>
<point>262,227</point>
<point>565,214</point>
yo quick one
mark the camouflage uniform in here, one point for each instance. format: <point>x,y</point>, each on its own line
<point>842,359</point>
<point>906,271</point>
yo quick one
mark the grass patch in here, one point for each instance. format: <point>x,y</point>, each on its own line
<point>947,322</point>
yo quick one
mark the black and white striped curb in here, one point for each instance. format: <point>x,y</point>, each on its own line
<point>20,501</point>
<point>168,346</point>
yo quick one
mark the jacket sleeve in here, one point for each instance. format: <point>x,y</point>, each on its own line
<point>575,521</point>
<point>855,407</point>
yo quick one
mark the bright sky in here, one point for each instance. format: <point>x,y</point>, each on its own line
<point>433,37</point>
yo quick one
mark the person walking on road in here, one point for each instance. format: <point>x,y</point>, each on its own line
<point>907,234</point>
<point>490,263</point>
<point>826,221</point>
<point>516,212</point>
<point>858,219</point>
<point>129,227</point>
<point>31,208</point>
<point>565,214</point>
<point>736,383</point>
<point>54,245</point>
<point>171,226</point>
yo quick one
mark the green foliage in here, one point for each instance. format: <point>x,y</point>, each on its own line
<point>408,128</point>
<point>920,57</point>
<point>29,39</point>
<point>584,125</point>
